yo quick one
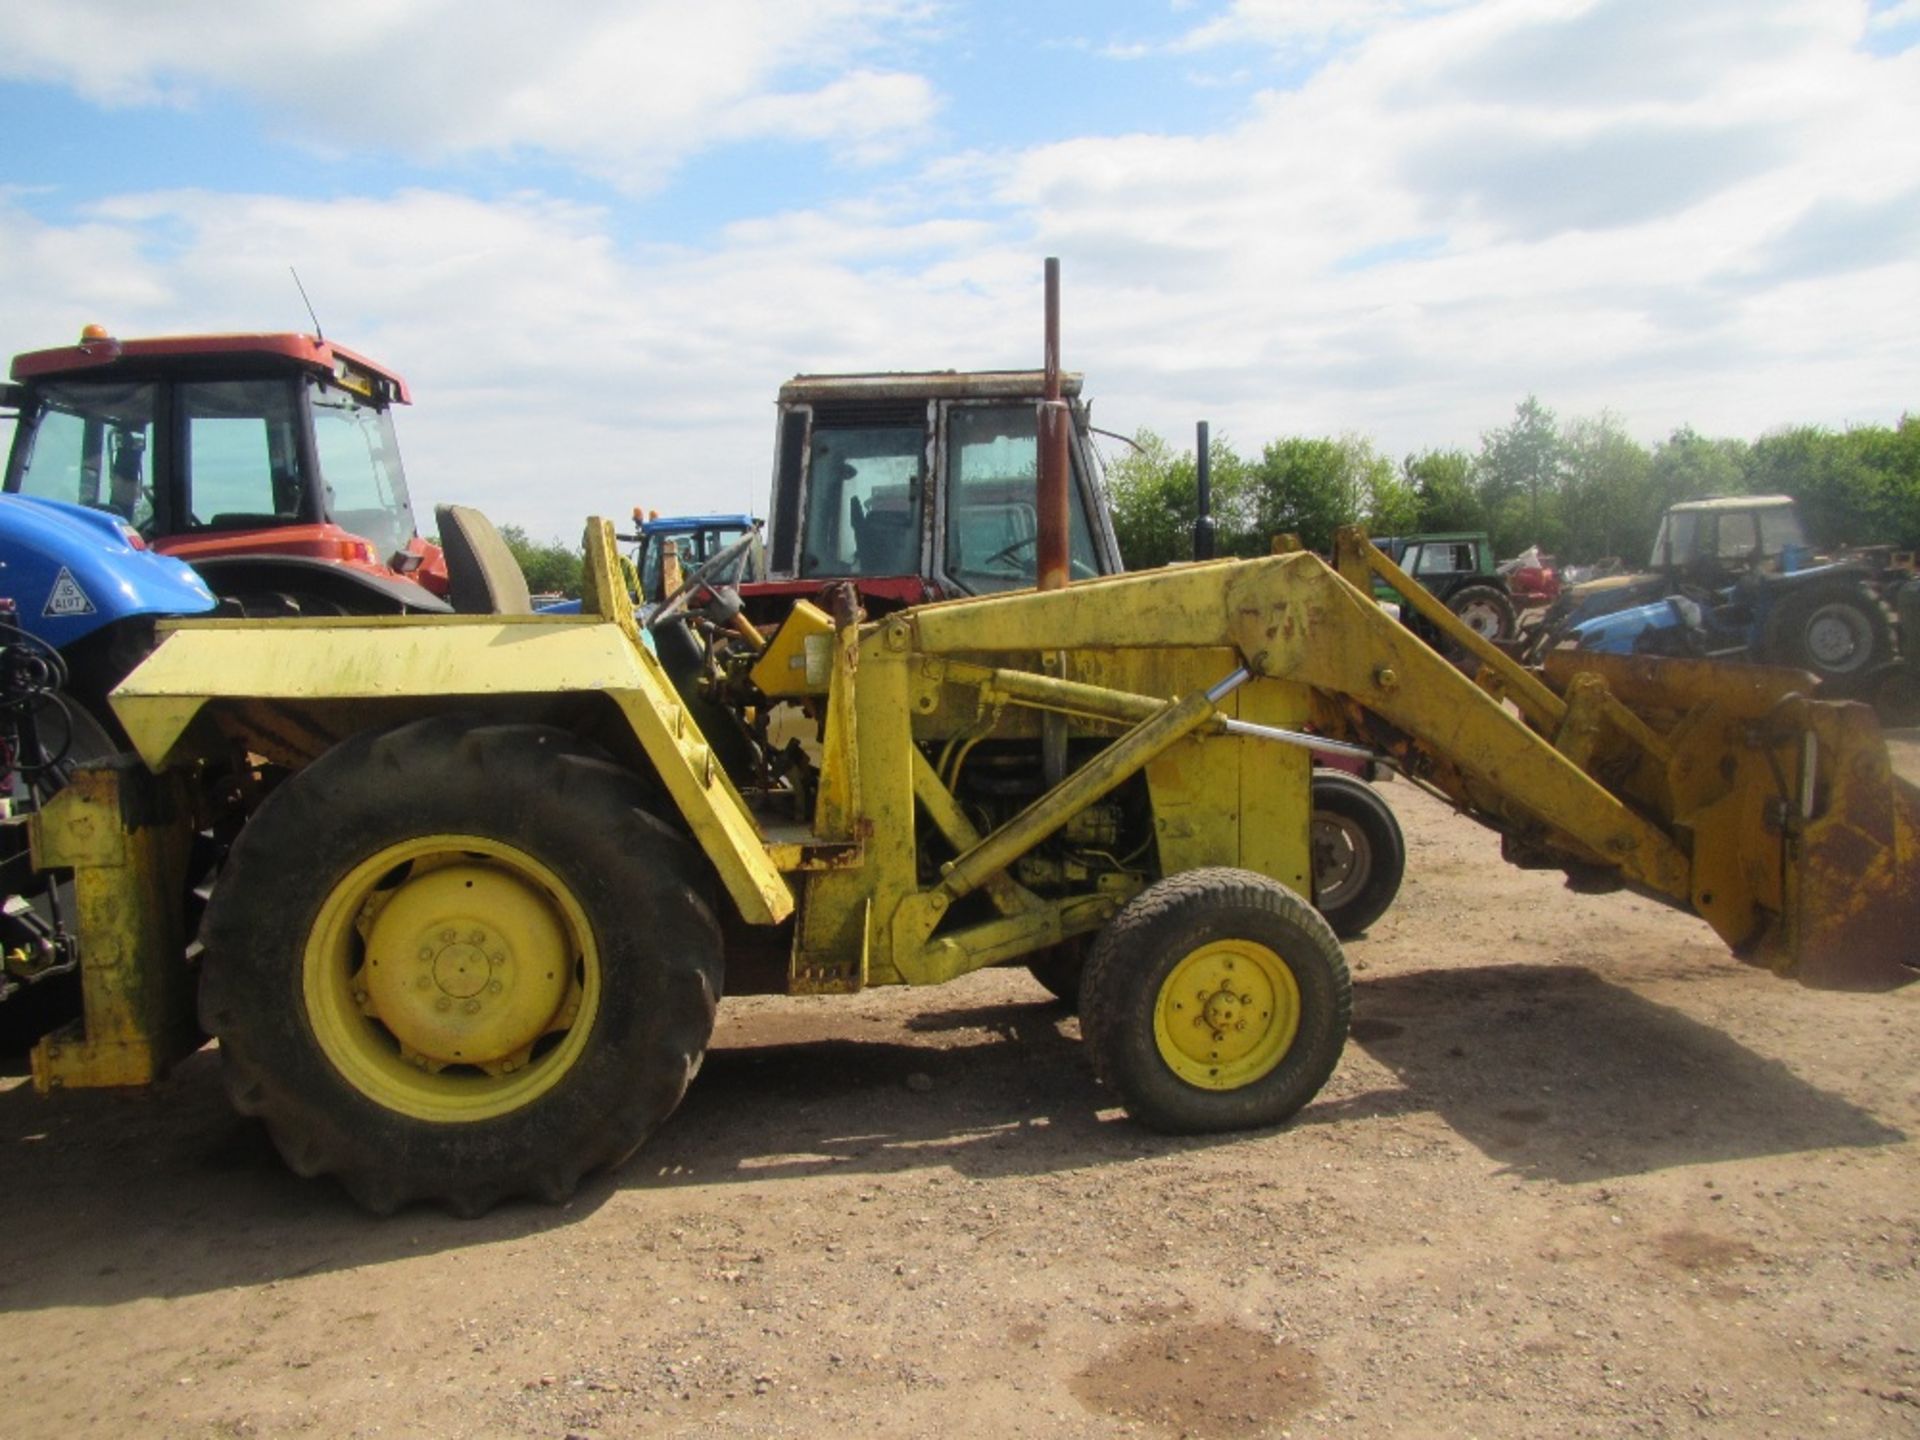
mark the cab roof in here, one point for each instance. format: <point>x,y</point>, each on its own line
<point>925,384</point>
<point>106,355</point>
<point>687,524</point>
<point>1733,502</point>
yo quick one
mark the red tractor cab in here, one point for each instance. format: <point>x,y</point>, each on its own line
<point>268,462</point>
<point>919,486</point>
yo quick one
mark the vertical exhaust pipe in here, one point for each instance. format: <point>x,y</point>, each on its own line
<point>1203,527</point>
<point>1050,516</point>
<point>1050,500</point>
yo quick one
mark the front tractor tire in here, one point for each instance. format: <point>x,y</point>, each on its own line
<point>1359,853</point>
<point>1216,1000</point>
<point>459,961</point>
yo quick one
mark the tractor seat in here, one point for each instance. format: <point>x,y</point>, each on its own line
<point>483,578</point>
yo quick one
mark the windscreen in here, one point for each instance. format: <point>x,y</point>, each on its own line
<point>366,490</point>
<point>90,444</point>
<point>1779,528</point>
<point>1674,544</point>
<point>693,548</point>
<point>993,530</point>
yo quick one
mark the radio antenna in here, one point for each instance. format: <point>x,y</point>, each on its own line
<point>318,333</point>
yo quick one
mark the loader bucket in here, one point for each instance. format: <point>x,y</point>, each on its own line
<point>1852,915</point>
<point>1804,845</point>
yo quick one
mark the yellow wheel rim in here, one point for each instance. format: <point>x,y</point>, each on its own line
<point>451,978</point>
<point>1226,1014</point>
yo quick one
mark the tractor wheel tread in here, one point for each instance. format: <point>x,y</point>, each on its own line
<point>1784,640</point>
<point>639,883</point>
<point>1130,959</point>
<point>1487,595</point>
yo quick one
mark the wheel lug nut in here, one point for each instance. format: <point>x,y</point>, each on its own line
<point>426,952</point>
<point>495,988</point>
<point>472,1007</point>
<point>423,983</point>
<point>447,935</point>
<point>476,937</point>
<point>445,1002</point>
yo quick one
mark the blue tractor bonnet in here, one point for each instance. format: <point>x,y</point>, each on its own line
<point>71,571</point>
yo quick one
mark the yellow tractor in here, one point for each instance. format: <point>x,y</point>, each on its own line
<point>491,877</point>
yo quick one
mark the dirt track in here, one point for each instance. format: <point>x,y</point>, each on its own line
<point>1580,1173</point>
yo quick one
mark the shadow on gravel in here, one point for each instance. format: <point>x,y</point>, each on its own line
<point>1551,1071</point>
<point>1562,1076</point>
<point>114,1196</point>
<point>1000,1090</point>
<point>121,1195</point>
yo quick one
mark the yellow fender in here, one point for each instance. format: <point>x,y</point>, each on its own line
<point>287,689</point>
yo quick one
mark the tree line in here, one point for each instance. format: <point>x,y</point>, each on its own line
<point>1581,490</point>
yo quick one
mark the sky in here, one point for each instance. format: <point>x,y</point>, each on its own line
<point>595,238</point>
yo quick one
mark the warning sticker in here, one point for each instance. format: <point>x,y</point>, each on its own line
<point>66,597</point>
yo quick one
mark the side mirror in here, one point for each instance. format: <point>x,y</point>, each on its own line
<point>12,397</point>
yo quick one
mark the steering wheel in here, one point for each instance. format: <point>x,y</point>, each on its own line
<point>1077,568</point>
<point>704,572</point>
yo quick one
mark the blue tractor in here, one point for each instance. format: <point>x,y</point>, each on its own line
<point>1733,577</point>
<point>79,595</point>
<point>86,592</point>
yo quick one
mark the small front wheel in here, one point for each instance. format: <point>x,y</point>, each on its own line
<point>1216,1000</point>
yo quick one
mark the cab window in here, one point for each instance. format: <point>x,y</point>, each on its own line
<point>243,467</point>
<point>864,495</point>
<point>1739,535</point>
<point>1446,557</point>
<point>992,531</point>
<point>366,491</point>
<point>92,445</point>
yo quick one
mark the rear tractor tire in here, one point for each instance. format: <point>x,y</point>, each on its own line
<point>459,961</point>
<point>1216,1000</point>
<point>1485,610</point>
<point>1359,853</point>
<point>1838,632</point>
<point>1060,969</point>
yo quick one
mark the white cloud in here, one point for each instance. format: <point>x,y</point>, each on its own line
<point>624,88</point>
<point>1403,245</point>
<point>1304,26</point>
<point>1611,244</point>
<point>554,373</point>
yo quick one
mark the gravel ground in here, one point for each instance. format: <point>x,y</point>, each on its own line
<point>1579,1173</point>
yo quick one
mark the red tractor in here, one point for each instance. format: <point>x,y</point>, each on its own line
<point>266,461</point>
<point>916,486</point>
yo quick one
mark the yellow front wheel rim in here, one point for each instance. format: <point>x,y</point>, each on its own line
<point>451,978</point>
<point>1227,1014</point>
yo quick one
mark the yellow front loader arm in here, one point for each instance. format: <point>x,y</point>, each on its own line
<point>1722,789</point>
